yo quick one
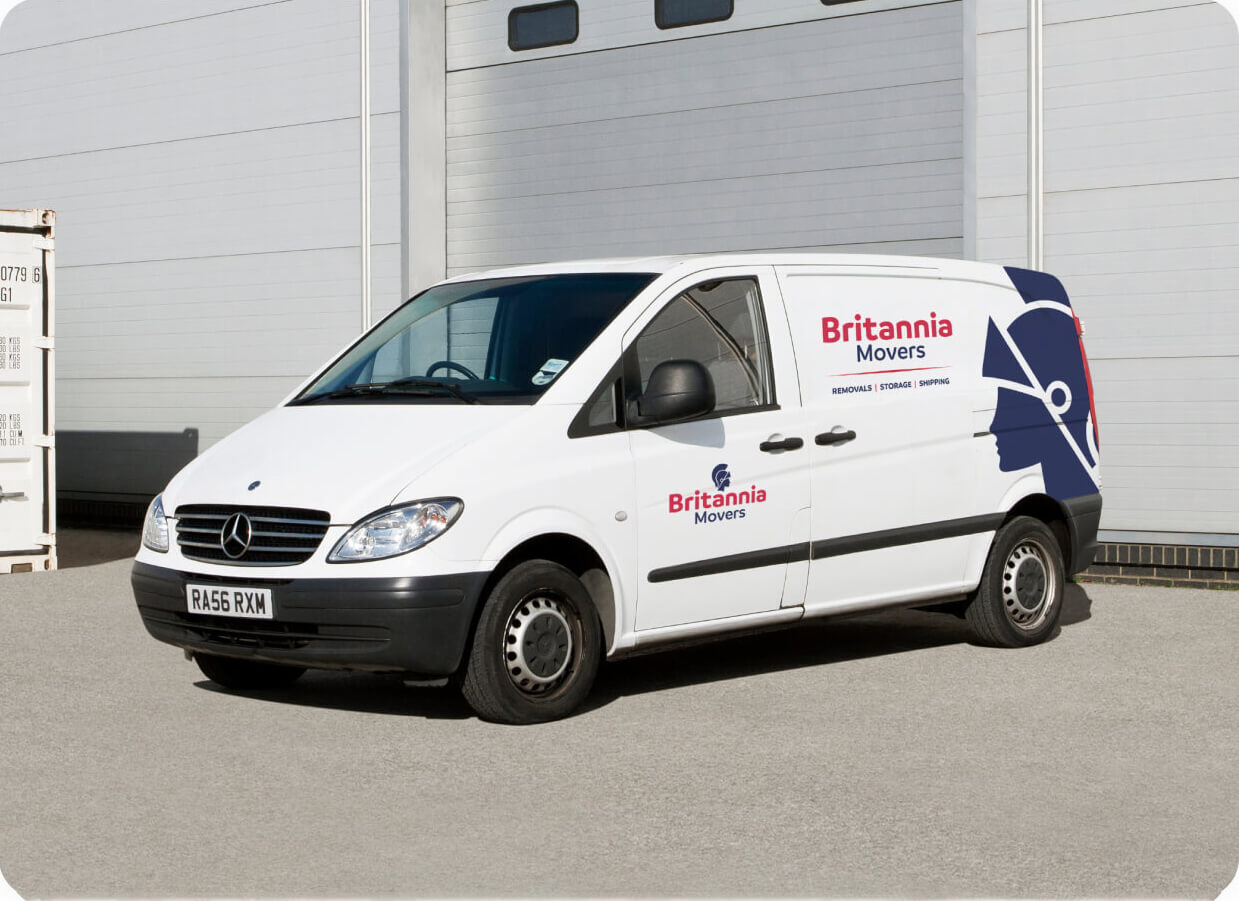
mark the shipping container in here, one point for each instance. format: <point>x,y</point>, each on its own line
<point>27,380</point>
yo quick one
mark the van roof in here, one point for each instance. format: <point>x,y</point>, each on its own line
<point>687,263</point>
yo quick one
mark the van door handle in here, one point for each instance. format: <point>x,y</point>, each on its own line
<point>786,444</point>
<point>834,437</point>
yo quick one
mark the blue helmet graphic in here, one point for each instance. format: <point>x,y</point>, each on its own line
<point>1042,416</point>
<point>721,477</point>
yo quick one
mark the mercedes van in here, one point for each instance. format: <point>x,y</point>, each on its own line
<point>520,473</point>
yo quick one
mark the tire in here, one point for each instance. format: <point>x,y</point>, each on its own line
<point>1020,597</point>
<point>536,649</point>
<point>246,675</point>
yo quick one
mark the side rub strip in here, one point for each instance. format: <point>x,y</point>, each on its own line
<point>830,547</point>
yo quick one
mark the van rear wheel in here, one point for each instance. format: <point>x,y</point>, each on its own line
<point>1020,597</point>
<point>537,647</point>
<point>246,675</point>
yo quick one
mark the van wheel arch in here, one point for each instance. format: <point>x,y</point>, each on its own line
<point>1050,512</point>
<point>573,554</point>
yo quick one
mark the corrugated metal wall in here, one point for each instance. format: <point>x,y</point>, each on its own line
<point>1141,143</point>
<point>202,157</point>
<point>792,125</point>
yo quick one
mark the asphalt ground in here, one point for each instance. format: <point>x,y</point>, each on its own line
<point>875,756</point>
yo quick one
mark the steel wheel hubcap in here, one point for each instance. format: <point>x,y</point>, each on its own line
<point>1027,585</point>
<point>537,645</point>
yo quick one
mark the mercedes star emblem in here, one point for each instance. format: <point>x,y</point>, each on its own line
<point>236,535</point>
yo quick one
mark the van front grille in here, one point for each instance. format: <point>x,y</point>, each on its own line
<point>249,536</point>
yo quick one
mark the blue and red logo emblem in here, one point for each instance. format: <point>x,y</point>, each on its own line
<point>1043,415</point>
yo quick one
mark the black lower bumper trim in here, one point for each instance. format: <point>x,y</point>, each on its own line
<point>408,624</point>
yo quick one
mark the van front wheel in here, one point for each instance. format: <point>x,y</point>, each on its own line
<point>537,646</point>
<point>1020,597</point>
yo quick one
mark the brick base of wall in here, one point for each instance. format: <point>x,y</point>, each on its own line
<point>1160,564</point>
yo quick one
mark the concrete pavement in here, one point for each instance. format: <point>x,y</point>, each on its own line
<point>876,756</point>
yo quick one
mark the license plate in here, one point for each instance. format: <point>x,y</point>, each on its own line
<point>230,600</point>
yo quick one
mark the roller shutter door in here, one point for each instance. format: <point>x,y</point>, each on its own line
<point>837,133</point>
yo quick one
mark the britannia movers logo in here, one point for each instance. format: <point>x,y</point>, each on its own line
<point>864,329</point>
<point>719,505</point>
<point>870,338</point>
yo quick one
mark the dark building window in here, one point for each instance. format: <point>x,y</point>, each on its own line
<point>544,25</point>
<point>678,13</point>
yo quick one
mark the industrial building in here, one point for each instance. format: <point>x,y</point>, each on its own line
<point>206,162</point>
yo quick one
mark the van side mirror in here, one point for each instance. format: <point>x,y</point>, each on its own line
<point>678,390</point>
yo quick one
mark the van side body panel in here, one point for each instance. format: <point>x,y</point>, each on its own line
<point>891,358</point>
<point>954,423</point>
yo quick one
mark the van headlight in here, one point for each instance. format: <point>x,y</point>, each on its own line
<point>397,530</point>
<point>155,528</point>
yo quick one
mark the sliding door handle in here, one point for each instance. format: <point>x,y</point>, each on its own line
<point>786,444</point>
<point>834,437</point>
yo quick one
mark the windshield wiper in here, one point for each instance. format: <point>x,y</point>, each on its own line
<point>411,385</point>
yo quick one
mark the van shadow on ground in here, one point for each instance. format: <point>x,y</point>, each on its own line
<point>809,643</point>
<point>812,643</point>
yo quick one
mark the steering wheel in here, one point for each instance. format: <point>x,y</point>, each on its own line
<point>448,364</point>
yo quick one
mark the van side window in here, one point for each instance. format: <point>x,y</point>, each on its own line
<point>720,325</point>
<point>601,413</point>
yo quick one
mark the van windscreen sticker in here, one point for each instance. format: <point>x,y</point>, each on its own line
<point>1042,414</point>
<point>547,372</point>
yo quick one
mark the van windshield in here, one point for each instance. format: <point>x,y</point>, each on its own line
<point>500,340</point>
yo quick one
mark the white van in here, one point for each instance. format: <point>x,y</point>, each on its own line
<point>519,473</point>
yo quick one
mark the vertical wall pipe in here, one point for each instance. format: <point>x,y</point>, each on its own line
<point>1036,147</point>
<point>970,129</point>
<point>406,179</point>
<point>365,164</point>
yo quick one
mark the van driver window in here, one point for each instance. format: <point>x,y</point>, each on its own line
<point>719,324</point>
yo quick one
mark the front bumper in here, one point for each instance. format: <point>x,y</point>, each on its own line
<point>409,624</point>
